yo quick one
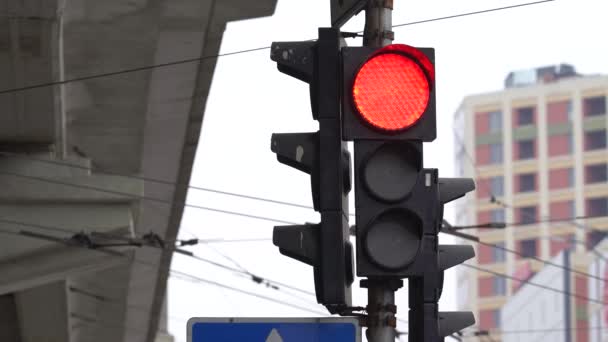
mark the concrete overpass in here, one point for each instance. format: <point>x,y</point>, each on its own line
<point>61,142</point>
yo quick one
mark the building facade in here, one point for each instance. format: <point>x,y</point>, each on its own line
<point>598,290</point>
<point>538,152</point>
<point>534,314</point>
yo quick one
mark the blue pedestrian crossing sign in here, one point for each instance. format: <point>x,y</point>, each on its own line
<point>330,329</point>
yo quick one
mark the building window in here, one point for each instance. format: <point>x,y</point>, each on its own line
<point>526,182</point>
<point>527,215</point>
<point>498,253</point>
<point>560,144</point>
<point>559,112</point>
<point>493,186</point>
<point>595,140</point>
<point>489,319</point>
<point>496,153</point>
<point>497,215</point>
<point>561,178</point>
<point>525,116</point>
<point>596,173</point>
<point>481,123</point>
<point>497,186</point>
<point>594,237</point>
<point>593,106</point>
<point>526,149</point>
<point>495,122</point>
<point>499,285</point>
<point>571,176</point>
<point>562,209</point>
<point>597,206</point>
<point>527,248</point>
<point>497,319</point>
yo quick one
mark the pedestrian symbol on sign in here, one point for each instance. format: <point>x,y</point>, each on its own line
<point>274,336</point>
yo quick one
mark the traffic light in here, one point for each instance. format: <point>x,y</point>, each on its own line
<point>388,111</point>
<point>427,323</point>
<point>324,156</point>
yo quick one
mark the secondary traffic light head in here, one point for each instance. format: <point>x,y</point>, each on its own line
<point>388,93</point>
<point>324,156</point>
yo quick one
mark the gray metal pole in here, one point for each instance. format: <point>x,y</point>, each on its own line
<point>381,307</point>
<point>378,23</point>
<point>381,310</point>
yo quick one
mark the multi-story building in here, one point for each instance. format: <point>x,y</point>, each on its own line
<point>534,314</point>
<point>538,152</point>
<point>598,291</point>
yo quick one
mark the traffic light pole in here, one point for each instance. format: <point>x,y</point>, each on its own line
<point>378,23</point>
<point>381,308</point>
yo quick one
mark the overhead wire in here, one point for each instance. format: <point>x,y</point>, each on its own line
<point>201,58</point>
<point>527,281</point>
<point>187,275</point>
<point>546,262</point>
<point>254,216</point>
<point>152,180</point>
<point>249,215</point>
<point>254,277</point>
<point>494,199</point>
<point>501,203</point>
<point>182,204</point>
<point>460,15</point>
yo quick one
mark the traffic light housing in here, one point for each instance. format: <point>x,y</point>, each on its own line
<point>388,110</point>
<point>323,154</point>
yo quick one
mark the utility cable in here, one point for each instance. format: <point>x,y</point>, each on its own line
<point>128,71</point>
<point>508,250</point>
<point>495,200</point>
<point>229,212</point>
<point>176,272</point>
<point>240,269</point>
<point>101,248</point>
<point>181,204</point>
<point>152,180</point>
<point>470,13</point>
<point>524,281</point>
<point>201,58</point>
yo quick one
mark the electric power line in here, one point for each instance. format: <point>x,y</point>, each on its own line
<point>471,13</point>
<point>201,58</point>
<point>128,71</point>
<point>525,281</point>
<point>193,277</point>
<point>209,241</point>
<point>238,213</point>
<point>154,180</point>
<point>494,199</point>
<point>546,262</point>
<point>256,278</point>
<point>533,331</point>
<point>181,204</point>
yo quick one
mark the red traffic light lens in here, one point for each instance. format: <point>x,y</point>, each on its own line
<point>391,90</point>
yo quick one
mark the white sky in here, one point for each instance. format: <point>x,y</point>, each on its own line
<point>250,100</point>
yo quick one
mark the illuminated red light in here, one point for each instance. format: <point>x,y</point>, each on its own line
<point>391,91</point>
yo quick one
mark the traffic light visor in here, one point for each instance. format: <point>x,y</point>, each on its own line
<point>392,88</point>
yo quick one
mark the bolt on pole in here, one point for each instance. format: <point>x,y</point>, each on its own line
<point>381,307</point>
